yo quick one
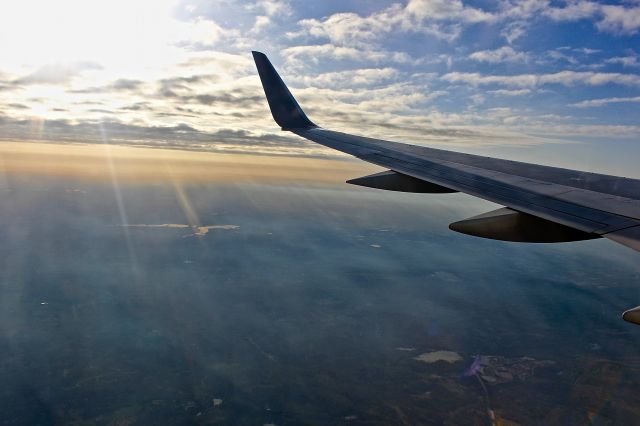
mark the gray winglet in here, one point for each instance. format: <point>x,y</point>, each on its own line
<point>284,108</point>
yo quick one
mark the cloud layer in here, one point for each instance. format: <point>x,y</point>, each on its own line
<point>431,71</point>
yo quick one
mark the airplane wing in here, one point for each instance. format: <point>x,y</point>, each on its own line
<point>542,204</point>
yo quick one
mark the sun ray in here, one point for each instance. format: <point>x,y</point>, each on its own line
<point>119,200</point>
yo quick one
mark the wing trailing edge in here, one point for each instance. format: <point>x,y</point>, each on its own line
<point>629,237</point>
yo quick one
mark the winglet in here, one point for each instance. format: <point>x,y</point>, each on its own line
<point>284,108</point>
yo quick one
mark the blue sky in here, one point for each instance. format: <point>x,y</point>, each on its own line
<point>466,75</point>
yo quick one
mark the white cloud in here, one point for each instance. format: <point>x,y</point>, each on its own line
<point>559,55</point>
<point>586,50</point>
<point>201,33</point>
<point>58,73</point>
<point>477,99</point>
<point>516,14</point>
<point>586,130</point>
<point>625,61</point>
<point>503,54</point>
<point>301,55</point>
<point>262,21</point>
<point>514,30</point>
<point>272,7</point>
<point>268,11</point>
<point>591,103</point>
<point>350,78</point>
<point>444,10</point>
<point>619,19</point>
<point>522,9</point>
<point>445,20</point>
<point>347,28</point>
<point>506,92</point>
<point>566,78</point>
<point>615,19</point>
<point>573,11</point>
<point>441,19</point>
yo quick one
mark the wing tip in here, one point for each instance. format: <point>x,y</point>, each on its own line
<point>284,108</point>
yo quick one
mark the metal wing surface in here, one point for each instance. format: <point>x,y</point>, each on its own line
<point>542,204</point>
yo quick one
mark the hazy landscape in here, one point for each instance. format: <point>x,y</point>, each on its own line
<point>305,302</point>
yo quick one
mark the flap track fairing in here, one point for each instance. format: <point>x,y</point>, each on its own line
<point>506,224</point>
<point>394,181</point>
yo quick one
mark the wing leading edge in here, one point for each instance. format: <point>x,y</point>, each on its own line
<point>544,204</point>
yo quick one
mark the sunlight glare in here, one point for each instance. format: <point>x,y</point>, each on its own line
<point>118,33</point>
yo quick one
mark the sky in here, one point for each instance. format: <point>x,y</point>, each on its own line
<point>552,81</point>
